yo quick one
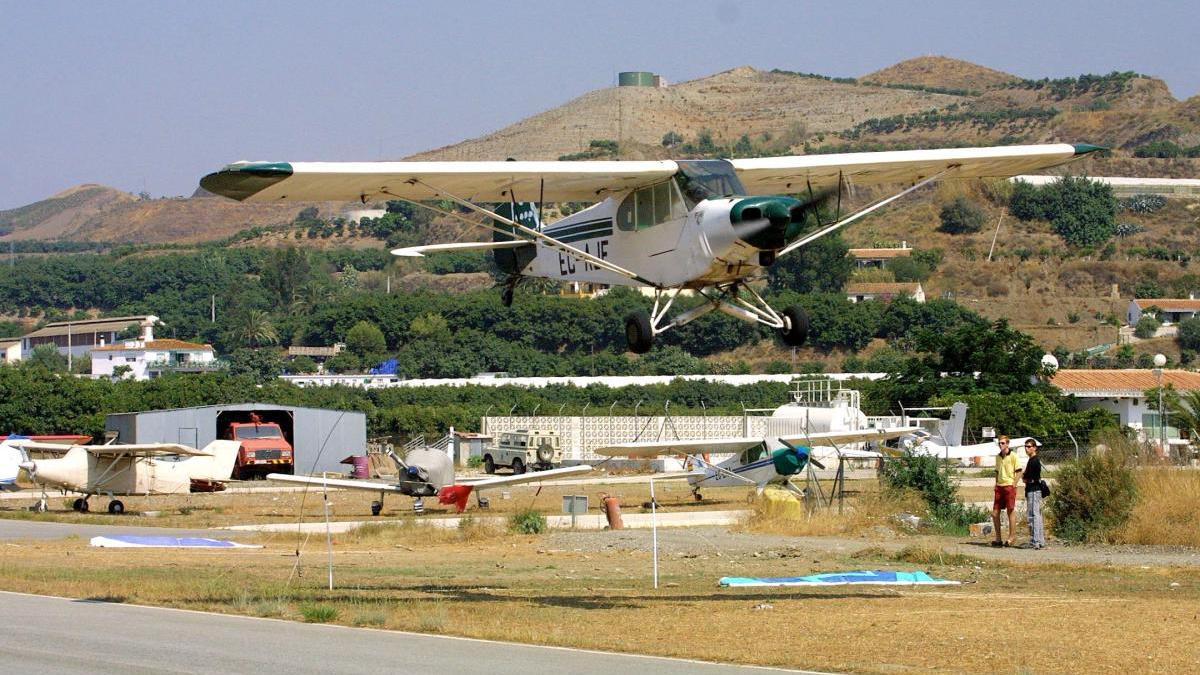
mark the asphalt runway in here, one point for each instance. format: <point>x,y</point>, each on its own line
<point>43,634</point>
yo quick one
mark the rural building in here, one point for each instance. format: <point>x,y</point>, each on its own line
<point>79,337</point>
<point>865,258</point>
<point>319,437</point>
<point>1123,392</point>
<point>885,291</point>
<point>146,360</point>
<point>316,353</point>
<point>1169,310</point>
<point>10,350</point>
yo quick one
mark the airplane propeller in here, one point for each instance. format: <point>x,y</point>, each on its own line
<point>803,454</point>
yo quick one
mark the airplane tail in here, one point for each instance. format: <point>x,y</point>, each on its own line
<point>513,260</point>
<point>952,429</point>
<point>11,458</point>
<point>221,462</point>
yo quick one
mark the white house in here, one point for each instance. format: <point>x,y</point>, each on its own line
<point>148,359</point>
<point>885,291</point>
<point>10,350</point>
<point>1122,391</point>
<point>1170,310</point>
<point>78,338</point>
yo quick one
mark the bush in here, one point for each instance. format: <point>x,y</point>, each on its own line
<point>1189,334</point>
<point>302,364</point>
<point>1093,496</point>
<point>528,521</point>
<point>1142,203</point>
<point>474,461</point>
<point>318,613</point>
<point>961,217</point>
<point>935,483</point>
<point>1146,327</point>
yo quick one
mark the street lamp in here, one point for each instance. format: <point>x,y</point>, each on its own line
<point>1159,362</point>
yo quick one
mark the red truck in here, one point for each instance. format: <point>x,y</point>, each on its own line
<point>264,448</point>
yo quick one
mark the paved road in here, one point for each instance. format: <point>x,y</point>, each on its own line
<point>40,634</point>
<point>36,529</point>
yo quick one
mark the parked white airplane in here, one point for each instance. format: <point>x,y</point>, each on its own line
<point>948,443</point>
<point>143,469</point>
<point>712,226</point>
<point>757,462</point>
<point>426,472</point>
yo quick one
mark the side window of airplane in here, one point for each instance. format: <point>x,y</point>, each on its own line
<point>651,206</point>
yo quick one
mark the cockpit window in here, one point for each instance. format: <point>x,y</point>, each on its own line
<point>650,206</point>
<point>701,179</point>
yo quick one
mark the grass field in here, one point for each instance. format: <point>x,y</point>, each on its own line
<point>594,590</point>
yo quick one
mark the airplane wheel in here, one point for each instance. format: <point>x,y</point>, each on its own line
<point>506,296</point>
<point>376,508</point>
<point>40,506</point>
<point>638,333</point>
<point>699,497</point>
<point>518,466</point>
<point>116,507</point>
<point>489,465</point>
<point>797,326</point>
<point>80,505</point>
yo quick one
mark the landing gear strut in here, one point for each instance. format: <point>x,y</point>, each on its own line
<point>735,299</point>
<point>80,505</point>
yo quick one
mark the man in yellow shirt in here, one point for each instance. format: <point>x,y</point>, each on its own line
<point>1008,471</point>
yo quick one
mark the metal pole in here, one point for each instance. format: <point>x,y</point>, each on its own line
<point>654,530</point>
<point>328,533</point>
<point>70,349</point>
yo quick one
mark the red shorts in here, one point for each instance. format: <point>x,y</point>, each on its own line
<point>1006,498</point>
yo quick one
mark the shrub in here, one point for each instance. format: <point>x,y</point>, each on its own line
<point>961,216</point>
<point>1189,334</point>
<point>1142,203</point>
<point>935,483</point>
<point>318,613</point>
<point>1146,327</point>
<point>474,461</point>
<point>528,521</point>
<point>1093,496</point>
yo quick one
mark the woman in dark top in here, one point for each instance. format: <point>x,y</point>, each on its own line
<point>1033,496</point>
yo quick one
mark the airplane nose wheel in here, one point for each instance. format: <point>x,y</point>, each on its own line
<point>80,505</point>
<point>376,508</point>
<point>116,507</point>
<point>638,333</point>
<point>795,329</point>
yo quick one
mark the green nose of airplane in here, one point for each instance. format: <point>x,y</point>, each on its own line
<point>767,222</point>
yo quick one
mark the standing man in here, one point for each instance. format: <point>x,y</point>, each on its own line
<point>1008,468</point>
<point>1032,475</point>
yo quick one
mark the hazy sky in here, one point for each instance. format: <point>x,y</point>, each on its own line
<point>152,95</point>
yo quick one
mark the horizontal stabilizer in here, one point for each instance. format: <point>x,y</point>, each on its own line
<point>420,251</point>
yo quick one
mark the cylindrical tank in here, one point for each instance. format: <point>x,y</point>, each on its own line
<point>362,467</point>
<point>612,511</point>
<point>635,78</point>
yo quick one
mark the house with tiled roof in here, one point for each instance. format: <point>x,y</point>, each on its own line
<point>1167,310</point>
<point>1123,391</point>
<point>148,358</point>
<point>879,257</point>
<point>860,292</point>
<point>10,350</point>
<point>79,337</point>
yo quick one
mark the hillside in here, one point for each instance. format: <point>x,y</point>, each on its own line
<point>941,72</point>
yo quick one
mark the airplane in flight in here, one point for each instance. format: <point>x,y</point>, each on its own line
<point>709,226</point>
<point>112,470</point>
<point>756,462</point>
<point>428,472</point>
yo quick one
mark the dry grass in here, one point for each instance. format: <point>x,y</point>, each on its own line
<point>1166,510</point>
<point>862,513</point>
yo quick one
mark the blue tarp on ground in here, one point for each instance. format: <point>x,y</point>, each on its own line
<point>136,541</point>
<point>876,578</point>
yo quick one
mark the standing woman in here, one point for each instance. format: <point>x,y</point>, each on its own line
<point>1033,495</point>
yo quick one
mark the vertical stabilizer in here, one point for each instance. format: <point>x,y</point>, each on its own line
<point>952,429</point>
<point>218,466</point>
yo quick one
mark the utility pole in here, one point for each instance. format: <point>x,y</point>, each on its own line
<point>212,309</point>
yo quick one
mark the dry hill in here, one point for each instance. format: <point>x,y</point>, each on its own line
<point>941,72</point>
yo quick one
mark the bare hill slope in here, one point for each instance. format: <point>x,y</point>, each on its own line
<point>940,71</point>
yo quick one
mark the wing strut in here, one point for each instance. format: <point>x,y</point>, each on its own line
<point>860,213</point>
<point>549,241</point>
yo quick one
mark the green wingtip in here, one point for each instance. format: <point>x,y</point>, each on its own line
<point>1085,148</point>
<point>241,181</point>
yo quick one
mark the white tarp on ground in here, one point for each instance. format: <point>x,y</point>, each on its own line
<point>136,541</point>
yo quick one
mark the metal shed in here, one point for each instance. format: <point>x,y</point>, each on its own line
<point>319,437</point>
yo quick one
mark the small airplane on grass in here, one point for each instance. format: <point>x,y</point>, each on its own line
<point>427,472</point>
<point>711,226</point>
<point>756,462</point>
<point>112,470</point>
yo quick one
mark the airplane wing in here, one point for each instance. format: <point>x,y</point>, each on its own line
<point>422,181</point>
<point>790,175</point>
<point>136,449</point>
<point>647,449</point>
<point>366,485</point>
<point>528,477</point>
<point>830,438</point>
<point>420,251</point>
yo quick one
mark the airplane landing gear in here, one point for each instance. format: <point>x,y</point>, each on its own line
<point>376,508</point>
<point>795,326</point>
<point>80,505</point>
<point>418,505</point>
<point>638,332</point>
<point>697,496</point>
<point>116,507</point>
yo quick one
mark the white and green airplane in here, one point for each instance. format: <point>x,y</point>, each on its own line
<point>711,226</point>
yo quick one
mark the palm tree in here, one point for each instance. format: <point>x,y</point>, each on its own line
<point>254,328</point>
<point>1185,413</point>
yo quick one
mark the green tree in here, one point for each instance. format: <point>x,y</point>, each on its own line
<point>262,365</point>
<point>366,341</point>
<point>961,217</point>
<point>302,364</point>
<point>1146,326</point>
<point>253,328</point>
<point>285,272</point>
<point>671,139</point>
<point>48,357</point>
<point>1189,334</point>
<point>432,326</point>
<point>824,266</point>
